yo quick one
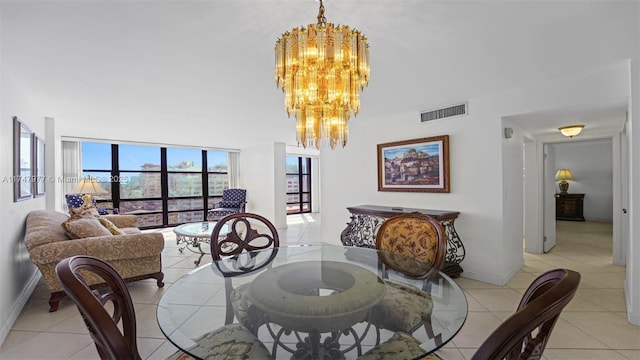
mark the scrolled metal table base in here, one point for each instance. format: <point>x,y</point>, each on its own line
<point>313,347</point>
<point>193,244</point>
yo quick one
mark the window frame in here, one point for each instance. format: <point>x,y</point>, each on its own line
<point>168,216</point>
<point>303,171</point>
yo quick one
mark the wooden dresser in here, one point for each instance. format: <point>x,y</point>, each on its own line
<point>570,207</point>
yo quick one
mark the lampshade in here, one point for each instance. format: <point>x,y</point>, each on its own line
<point>322,69</point>
<point>88,185</point>
<point>564,174</point>
<point>571,130</point>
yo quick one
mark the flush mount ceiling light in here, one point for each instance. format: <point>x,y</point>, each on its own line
<point>322,69</point>
<point>571,130</point>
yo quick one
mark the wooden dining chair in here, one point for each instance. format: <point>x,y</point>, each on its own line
<point>523,336</point>
<point>243,233</point>
<point>246,232</point>
<point>413,244</point>
<point>109,315</point>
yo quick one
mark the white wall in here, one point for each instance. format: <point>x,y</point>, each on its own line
<point>349,177</point>
<point>632,283</point>
<point>18,275</point>
<point>591,163</point>
<point>479,157</point>
<point>512,191</point>
<point>262,173</point>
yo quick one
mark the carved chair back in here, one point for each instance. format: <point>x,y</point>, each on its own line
<point>108,311</point>
<point>525,334</point>
<point>245,232</point>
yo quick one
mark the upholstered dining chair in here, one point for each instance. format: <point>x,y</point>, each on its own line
<point>233,201</point>
<point>245,232</point>
<point>523,336</point>
<point>109,315</point>
<point>413,244</point>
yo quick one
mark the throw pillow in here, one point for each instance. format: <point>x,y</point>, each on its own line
<point>87,201</point>
<point>77,213</point>
<point>113,229</point>
<point>85,227</point>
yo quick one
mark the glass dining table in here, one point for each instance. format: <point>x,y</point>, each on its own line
<point>310,302</point>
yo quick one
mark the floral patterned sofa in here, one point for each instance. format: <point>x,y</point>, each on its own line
<point>135,255</point>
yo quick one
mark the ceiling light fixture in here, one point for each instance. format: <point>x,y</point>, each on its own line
<point>322,69</point>
<point>571,130</point>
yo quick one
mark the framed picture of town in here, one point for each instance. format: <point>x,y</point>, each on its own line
<point>418,165</point>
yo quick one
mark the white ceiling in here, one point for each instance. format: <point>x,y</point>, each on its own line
<point>596,118</point>
<point>191,59</point>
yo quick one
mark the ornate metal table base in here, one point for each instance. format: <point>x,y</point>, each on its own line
<point>192,236</point>
<point>315,298</point>
<point>193,244</point>
<point>313,347</point>
<point>367,219</point>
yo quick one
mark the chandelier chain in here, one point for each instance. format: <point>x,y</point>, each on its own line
<point>322,21</point>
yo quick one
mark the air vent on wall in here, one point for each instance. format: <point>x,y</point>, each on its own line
<point>449,111</point>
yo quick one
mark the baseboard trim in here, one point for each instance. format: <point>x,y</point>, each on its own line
<point>633,318</point>
<point>18,305</point>
<point>513,271</point>
<point>493,279</point>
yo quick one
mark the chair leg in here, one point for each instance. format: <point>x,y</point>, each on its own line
<point>54,300</point>
<point>159,277</point>
<point>228,288</point>
<point>429,329</point>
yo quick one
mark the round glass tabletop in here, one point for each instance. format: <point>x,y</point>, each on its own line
<point>196,229</point>
<point>309,301</point>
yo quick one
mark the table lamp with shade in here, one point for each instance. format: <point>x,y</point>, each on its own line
<point>82,194</point>
<point>88,185</point>
<point>563,175</point>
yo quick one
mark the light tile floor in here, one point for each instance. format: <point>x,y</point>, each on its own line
<point>593,326</point>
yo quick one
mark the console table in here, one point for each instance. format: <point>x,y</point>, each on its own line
<point>366,221</point>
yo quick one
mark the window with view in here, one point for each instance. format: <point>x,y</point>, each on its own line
<point>164,186</point>
<point>298,184</point>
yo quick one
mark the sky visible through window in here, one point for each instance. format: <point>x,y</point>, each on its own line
<point>132,157</point>
<point>142,180</point>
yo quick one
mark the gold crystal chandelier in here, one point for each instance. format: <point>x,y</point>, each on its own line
<point>322,69</point>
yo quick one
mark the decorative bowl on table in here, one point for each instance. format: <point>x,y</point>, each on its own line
<point>316,295</point>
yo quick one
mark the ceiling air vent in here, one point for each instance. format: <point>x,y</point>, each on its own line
<point>449,111</point>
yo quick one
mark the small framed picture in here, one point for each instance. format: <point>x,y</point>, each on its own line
<point>38,169</point>
<point>417,165</point>
<point>22,161</point>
